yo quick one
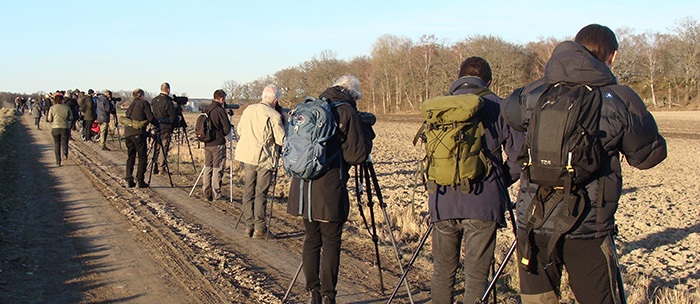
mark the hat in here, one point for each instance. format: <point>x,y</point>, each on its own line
<point>91,91</point>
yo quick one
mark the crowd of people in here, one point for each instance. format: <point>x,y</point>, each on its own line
<point>462,218</point>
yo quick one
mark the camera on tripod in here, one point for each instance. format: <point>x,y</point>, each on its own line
<point>180,100</point>
<point>230,107</point>
<point>116,99</point>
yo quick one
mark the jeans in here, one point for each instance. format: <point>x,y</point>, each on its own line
<point>324,235</point>
<point>214,157</point>
<point>257,184</point>
<point>60,143</point>
<point>136,145</point>
<point>479,243</point>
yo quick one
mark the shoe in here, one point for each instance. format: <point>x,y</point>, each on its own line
<point>208,198</point>
<point>259,234</point>
<point>249,232</point>
<point>105,149</point>
<point>155,170</point>
<point>130,183</point>
<point>65,157</point>
<point>142,184</point>
<point>327,300</point>
<point>314,297</point>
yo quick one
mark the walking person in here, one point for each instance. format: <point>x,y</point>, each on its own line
<point>324,203</point>
<point>473,217</point>
<point>578,235</point>
<point>36,113</point>
<point>60,117</point>
<point>139,111</point>
<point>105,108</point>
<point>215,149</point>
<point>261,133</point>
<point>164,111</point>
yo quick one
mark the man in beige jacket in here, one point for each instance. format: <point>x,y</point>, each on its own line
<point>261,131</point>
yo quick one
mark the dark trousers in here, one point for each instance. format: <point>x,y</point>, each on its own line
<point>587,263</point>
<point>36,122</point>
<point>87,126</point>
<point>60,143</point>
<point>136,145</point>
<point>327,236</point>
<point>256,186</point>
<point>479,239</point>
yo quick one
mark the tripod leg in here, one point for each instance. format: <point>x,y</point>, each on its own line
<point>498,272</point>
<point>296,275</point>
<point>187,140</point>
<point>159,141</point>
<point>410,262</point>
<point>197,181</point>
<point>151,149</point>
<point>272,197</point>
<point>375,238</point>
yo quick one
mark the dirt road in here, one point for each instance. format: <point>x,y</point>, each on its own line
<point>76,234</point>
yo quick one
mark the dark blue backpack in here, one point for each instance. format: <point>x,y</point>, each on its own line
<point>311,126</point>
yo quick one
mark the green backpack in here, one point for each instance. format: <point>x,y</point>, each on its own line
<point>452,133</point>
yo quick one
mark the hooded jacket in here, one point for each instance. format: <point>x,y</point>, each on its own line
<point>487,200</point>
<point>627,126</point>
<point>328,198</point>
<point>260,130</point>
<point>104,108</point>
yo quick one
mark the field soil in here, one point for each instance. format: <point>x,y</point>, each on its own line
<point>77,234</point>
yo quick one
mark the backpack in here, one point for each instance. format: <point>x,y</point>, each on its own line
<point>203,128</point>
<point>452,133</point>
<point>311,126</point>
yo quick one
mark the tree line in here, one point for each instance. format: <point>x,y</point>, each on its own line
<point>399,73</point>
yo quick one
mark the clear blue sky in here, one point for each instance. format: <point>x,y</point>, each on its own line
<point>197,45</point>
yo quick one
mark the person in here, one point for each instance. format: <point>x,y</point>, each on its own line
<point>71,100</point>
<point>60,117</point>
<point>586,249</point>
<point>36,113</point>
<point>475,216</point>
<point>18,104</point>
<point>328,201</point>
<point>215,150</point>
<point>261,132</point>
<point>164,111</point>
<point>87,106</point>
<point>135,139</point>
<point>105,108</point>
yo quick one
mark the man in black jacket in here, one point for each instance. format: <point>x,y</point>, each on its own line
<point>215,150</point>
<point>164,111</point>
<point>135,139</point>
<point>87,106</point>
<point>325,209</point>
<point>625,127</point>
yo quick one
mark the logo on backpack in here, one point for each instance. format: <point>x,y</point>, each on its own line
<point>311,126</point>
<point>452,134</point>
<point>203,128</point>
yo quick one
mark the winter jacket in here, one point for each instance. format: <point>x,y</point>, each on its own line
<point>139,110</point>
<point>626,125</point>
<point>105,107</point>
<point>328,197</point>
<point>164,111</point>
<point>36,110</point>
<point>87,106</point>
<point>487,200</point>
<point>260,129</point>
<point>219,122</point>
<point>72,103</point>
<point>60,116</point>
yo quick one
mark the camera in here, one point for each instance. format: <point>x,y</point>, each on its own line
<point>181,100</point>
<point>231,106</point>
<point>116,98</point>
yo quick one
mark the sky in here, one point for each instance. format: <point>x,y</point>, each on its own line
<point>198,45</point>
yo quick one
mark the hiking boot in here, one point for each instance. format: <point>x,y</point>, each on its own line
<point>105,149</point>
<point>314,297</point>
<point>142,184</point>
<point>249,232</point>
<point>259,234</point>
<point>130,183</point>
<point>327,300</point>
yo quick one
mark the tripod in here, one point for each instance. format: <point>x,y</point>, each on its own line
<point>157,143</point>
<point>179,133</point>
<point>232,135</point>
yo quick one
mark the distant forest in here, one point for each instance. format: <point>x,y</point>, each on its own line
<point>399,73</point>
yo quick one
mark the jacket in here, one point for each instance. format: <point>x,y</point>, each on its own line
<point>36,110</point>
<point>72,103</point>
<point>87,106</point>
<point>219,122</point>
<point>164,111</point>
<point>326,199</point>
<point>487,201</point>
<point>139,110</point>
<point>626,126</point>
<point>60,116</point>
<point>104,108</point>
<point>260,130</point>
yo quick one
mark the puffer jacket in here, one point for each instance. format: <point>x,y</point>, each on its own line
<point>627,126</point>
<point>260,129</point>
<point>487,200</point>
<point>328,198</point>
<point>60,116</point>
<point>104,108</point>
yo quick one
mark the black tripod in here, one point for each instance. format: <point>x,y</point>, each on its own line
<point>180,132</point>
<point>157,143</point>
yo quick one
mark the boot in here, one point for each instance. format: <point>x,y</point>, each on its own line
<point>314,297</point>
<point>130,182</point>
<point>142,184</point>
<point>328,300</point>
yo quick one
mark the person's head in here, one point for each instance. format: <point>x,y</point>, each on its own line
<point>600,41</point>
<point>81,93</point>
<point>476,66</point>
<point>351,84</point>
<point>270,95</point>
<point>108,93</point>
<point>138,94</point>
<point>58,99</point>
<point>91,92</point>
<point>219,96</point>
<point>165,88</point>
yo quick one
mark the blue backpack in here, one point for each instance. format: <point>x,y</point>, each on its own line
<point>311,125</point>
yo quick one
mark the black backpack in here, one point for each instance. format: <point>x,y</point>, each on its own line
<point>203,128</point>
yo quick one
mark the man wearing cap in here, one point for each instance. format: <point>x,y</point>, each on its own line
<point>87,107</point>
